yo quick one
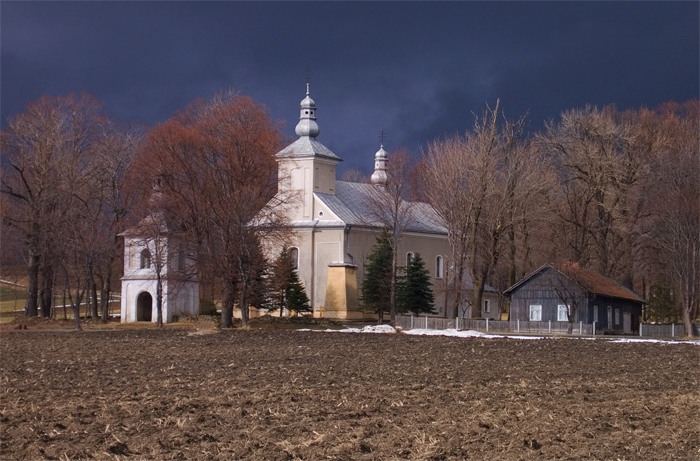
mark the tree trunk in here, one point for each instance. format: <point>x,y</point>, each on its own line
<point>477,295</point>
<point>392,299</point>
<point>106,292</point>
<point>688,322</point>
<point>46,297</point>
<point>159,300</point>
<point>458,279</point>
<point>32,308</point>
<point>227,303</point>
<point>243,305</point>
<point>93,293</point>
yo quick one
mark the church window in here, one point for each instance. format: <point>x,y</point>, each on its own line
<point>145,259</point>
<point>409,258</point>
<point>294,256</point>
<point>438,267</point>
<point>181,259</point>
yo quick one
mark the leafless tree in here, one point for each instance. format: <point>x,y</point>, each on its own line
<point>597,170</point>
<point>675,205</point>
<point>216,163</point>
<point>480,183</point>
<point>47,149</point>
<point>389,205</point>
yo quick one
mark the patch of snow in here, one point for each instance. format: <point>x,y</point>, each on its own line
<point>463,334</point>
<point>478,334</point>
<point>642,340</point>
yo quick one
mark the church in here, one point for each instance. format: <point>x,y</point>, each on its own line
<point>335,229</point>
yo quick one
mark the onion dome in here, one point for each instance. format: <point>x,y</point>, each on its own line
<point>307,117</point>
<point>379,177</point>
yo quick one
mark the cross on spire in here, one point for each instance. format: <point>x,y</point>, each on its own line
<point>382,137</point>
<point>308,78</point>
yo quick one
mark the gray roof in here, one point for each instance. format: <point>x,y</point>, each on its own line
<point>352,202</point>
<point>306,146</point>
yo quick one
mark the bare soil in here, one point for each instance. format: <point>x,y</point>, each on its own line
<point>280,394</point>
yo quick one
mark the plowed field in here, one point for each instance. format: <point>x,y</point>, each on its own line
<point>277,394</point>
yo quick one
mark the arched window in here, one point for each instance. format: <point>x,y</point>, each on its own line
<point>438,267</point>
<point>409,257</point>
<point>294,256</point>
<point>145,259</point>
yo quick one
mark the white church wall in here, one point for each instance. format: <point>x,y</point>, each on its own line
<point>429,246</point>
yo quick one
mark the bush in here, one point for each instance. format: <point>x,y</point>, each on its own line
<point>207,307</point>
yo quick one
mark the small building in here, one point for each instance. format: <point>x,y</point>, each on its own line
<point>142,251</point>
<point>553,292</point>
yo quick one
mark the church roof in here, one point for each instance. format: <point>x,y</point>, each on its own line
<point>352,202</point>
<point>307,147</point>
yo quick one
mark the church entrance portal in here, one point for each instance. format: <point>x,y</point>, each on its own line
<point>144,307</point>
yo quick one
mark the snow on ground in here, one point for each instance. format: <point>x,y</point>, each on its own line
<point>477,334</point>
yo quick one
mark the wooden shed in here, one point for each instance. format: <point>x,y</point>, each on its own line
<point>555,292</point>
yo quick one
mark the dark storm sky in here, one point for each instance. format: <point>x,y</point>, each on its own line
<point>417,70</point>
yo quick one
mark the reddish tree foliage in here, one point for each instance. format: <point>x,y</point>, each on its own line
<point>215,169</point>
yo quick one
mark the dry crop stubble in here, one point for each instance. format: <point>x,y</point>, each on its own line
<point>278,394</point>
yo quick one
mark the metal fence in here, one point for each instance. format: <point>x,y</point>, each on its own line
<point>492,326</point>
<point>673,330</point>
<point>410,322</point>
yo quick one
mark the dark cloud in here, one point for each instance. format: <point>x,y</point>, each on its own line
<point>415,69</point>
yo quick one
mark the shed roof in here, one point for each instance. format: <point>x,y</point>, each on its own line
<point>590,281</point>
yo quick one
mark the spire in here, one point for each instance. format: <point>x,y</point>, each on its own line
<point>380,177</point>
<point>307,117</point>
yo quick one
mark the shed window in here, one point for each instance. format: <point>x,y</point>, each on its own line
<point>294,256</point>
<point>595,313</point>
<point>562,313</point>
<point>409,258</point>
<point>535,312</point>
<point>145,259</point>
<point>438,267</point>
<point>617,316</point>
<point>487,306</point>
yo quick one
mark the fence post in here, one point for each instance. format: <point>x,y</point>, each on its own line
<point>518,325</point>
<point>640,328</point>
<point>580,328</point>
<point>487,325</point>
<point>426,322</point>
<point>457,323</point>
<point>550,326</point>
<point>411,321</point>
<point>673,330</point>
<point>593,328</point>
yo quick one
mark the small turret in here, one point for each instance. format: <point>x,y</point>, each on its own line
<point>380,177</point>
<point>307,117</point>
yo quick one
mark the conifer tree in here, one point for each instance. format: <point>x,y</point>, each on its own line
<point>376,284</point>
<point>280,273</point>
<point>415,291</point>
<point>295,297</point>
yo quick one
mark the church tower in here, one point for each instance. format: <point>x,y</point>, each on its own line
<point>379,177</point>
<point>306,165</point>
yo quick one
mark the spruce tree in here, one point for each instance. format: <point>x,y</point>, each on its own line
<point>281,271</point>
<point>295,297</point>
<point>376,284</point>
<point>415,292</point>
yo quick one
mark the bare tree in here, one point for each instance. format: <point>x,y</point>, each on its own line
<point>47,149</point>
<point>216,163</point>
<point>597,169</point>
<point>480,184</point>
<point>675,204</point>
<point>389,204</point>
